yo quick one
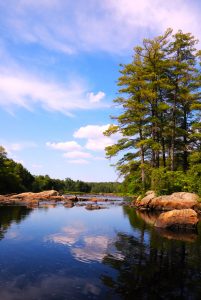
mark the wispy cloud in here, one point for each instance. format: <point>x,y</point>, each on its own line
<point>21,89</point>
<point>108,25</point>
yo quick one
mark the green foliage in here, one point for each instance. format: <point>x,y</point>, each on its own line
<point>14,178</point>
<point>194,179</point>
<point>160,116</point>
<point>166,182</point>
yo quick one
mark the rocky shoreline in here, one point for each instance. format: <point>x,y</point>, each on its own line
<point>180,210</point>
<point>52,197</point>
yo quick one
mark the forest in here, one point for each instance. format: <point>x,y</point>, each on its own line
<point>159,116</point>
<point>14,178</point>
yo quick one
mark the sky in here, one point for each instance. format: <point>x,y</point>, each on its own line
<point>59,66</point>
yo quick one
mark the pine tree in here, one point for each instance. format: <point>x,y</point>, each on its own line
<point>160,104</point>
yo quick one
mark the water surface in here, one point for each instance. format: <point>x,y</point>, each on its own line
<point>114,253</point>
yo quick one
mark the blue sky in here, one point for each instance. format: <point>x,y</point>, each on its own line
<point>59,64</point>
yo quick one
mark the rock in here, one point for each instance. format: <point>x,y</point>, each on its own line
<point>41,195</point>
<point>181,200</point>
<point>178,219</point>
<point>71,198</point>
<point>149,193</point>
<point>31,198</point>
<point>93,199</point>
<point>58,198</point>
<point>3,198</point>
<point>69,204</point>
<point>80,204</point>
<point>92,206</point>
<point>82,199</point>
<point>146,200</point>
<point>197,207</point>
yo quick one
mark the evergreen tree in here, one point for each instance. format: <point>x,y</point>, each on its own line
<point>159,105</point>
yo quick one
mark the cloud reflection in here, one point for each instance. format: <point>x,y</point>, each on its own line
<point>94,249</point>
<point>47,286</point>
<point>84,246</point>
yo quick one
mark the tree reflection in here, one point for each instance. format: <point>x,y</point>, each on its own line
<point>153,266</point>
<point>10,214</point>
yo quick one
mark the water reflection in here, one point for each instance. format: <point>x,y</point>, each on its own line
<point>84,246</point>
<point>10,214</point>
<point>159,271</point>
<point>157,264</point>
<point>50,286</point>
<point>111,254</point>
<point>150,218</point>
<point>94,249</point>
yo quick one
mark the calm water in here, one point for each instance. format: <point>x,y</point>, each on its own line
<point>71,253</point>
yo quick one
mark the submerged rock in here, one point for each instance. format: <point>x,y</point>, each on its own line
<point>69,204</point>
<point>94,206</point>
<point>71,198</point>
<point>185,219</point>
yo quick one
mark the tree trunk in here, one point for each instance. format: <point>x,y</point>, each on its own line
<point>185,152</point>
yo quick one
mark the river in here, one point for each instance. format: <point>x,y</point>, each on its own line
<point>57,253</point>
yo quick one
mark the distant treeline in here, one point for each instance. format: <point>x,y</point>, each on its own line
<point>14,178</point>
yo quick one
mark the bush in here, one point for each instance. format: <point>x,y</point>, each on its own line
<point>165,182</point>
<point>194,179</point>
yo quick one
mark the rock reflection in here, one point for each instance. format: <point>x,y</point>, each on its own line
<point>150,218</point>
<point>179,236</point>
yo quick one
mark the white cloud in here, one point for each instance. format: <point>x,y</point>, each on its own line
<point>64,146</point>
<point>99,144</point>
<point>108,25</point>
<point>96,141</point>
<point>94,98</point>
<point>91,131</point>
<point>77,154</point>
<point>19,88</point>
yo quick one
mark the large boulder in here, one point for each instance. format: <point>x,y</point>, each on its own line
<point>181,200</point>
<point>178,219</point>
